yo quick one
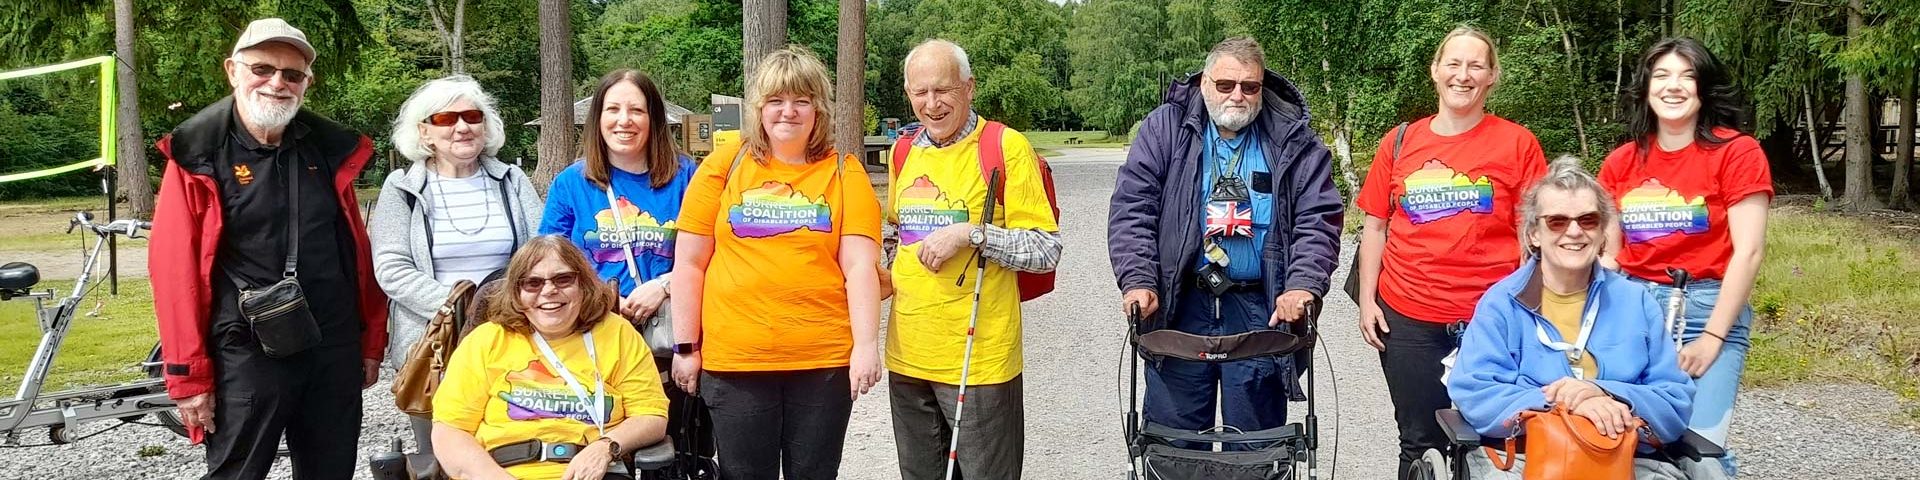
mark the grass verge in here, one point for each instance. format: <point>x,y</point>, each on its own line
<point>109,337</point>
<point>1835,302</point>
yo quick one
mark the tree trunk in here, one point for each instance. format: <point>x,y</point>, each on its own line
<point>1813,147</point>
<point>1579,121</point>
<point>1903,162</point>
<point>556,92</point>
<point>1619,54</point>
<point>453,37</point>
<point>850,85</point>
<point>763,29</point>
<point>135,184</point>
<point>1858,195</point>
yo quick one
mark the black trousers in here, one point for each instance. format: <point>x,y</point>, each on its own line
<point>992,436</point>
<point>311,398</point>
<point>1412,366</point>
<point>766,423</point>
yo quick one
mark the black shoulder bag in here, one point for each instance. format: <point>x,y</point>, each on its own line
<point>278,313</point>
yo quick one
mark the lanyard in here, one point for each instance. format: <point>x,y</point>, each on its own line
<point>599,398</point>
<point>632,270</point>
<point>1577,350</point>
<point>1231,169</point>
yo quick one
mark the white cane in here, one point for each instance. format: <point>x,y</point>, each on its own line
<point>966,361</point>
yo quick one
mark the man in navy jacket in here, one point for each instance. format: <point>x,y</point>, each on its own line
<point>1225,219</point>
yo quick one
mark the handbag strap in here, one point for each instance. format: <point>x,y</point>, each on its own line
<point>292,238</point>
<point>633,270</point>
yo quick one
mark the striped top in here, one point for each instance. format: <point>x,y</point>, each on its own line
<point>471,234</point>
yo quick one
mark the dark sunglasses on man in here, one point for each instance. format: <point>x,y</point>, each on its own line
<point>446,119</point>
<point>291,75</point>
<point>1246,88</point>
<point>1589,221</point>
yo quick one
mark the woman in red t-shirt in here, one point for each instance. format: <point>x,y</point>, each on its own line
<point>1440,229</point>
<point>1693,195</point>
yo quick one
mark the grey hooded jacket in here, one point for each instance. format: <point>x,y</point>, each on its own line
<point>403,257</point>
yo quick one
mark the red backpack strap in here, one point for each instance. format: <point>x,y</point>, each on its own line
<point>900,148</point>
<point>993,156</point>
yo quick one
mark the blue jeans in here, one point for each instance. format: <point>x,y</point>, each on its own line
<point>1714,394</point>
<point>1253,393</point>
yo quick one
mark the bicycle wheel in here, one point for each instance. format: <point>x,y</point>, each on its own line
<point>169,418</point>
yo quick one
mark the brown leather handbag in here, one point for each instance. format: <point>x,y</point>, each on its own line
<point>1565,446</point>
<point>426,361</point>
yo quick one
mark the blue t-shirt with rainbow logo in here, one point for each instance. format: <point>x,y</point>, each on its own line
<point>578,209</point>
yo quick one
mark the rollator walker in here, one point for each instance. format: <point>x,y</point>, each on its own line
<point>1271,454</point>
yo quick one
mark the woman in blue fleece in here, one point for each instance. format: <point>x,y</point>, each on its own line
<point>1564,332</point>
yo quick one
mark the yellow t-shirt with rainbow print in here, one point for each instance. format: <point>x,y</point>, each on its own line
<point>499,388</point>
<point>936,187</point>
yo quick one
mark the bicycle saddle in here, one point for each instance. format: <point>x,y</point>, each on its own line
<point>18,276</point>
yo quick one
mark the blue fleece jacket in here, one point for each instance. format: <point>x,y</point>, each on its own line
<point>1502,364</point>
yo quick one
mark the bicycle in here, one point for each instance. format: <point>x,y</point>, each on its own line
<point>64,412</point>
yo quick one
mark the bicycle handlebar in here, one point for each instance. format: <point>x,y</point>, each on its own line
<point>128,227</point>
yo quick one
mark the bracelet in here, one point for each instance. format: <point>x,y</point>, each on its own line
<point>1723,339</point>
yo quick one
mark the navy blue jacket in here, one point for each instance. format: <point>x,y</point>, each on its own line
<point>1153,222</point>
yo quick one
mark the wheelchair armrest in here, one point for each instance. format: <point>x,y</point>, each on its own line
<point>1694,447</point>
<point>654,457</point>
<point>1455,425</point>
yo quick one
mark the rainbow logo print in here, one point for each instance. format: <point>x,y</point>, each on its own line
<point>1652,211</point>
<point>535,393</point>
<point>776,208</point>
<point>1436,191</point>
<point>924,208</point>
<point>643,233</point>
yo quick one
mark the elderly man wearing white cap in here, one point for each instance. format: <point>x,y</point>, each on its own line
<point>270,320</point>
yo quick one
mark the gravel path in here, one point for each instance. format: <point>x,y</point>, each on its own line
<point>1074,415</point>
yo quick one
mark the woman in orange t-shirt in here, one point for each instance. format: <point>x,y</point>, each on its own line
<point>776,293</point>
<point>1693,195</point>
<point>1440,200</point>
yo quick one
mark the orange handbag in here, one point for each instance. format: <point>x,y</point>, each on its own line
<point>1565,446</point>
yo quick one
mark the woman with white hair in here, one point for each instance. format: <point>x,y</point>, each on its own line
<point>456,213</point>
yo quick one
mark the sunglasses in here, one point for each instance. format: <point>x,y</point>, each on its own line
<point>1246,88</point>
<point>446,119</point>
<point>1558,223</point>
<point>560,282</point>
<point>266,71</point>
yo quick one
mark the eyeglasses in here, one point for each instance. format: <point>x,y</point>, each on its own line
<point>266,71</point>
<point>1589,221</point>
<point>1246,88</point>
<point>446,119</point>
<point>560,282</point>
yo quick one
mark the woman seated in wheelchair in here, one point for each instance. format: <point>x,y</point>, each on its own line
<point>1562,332</point>
<point>554,385</point>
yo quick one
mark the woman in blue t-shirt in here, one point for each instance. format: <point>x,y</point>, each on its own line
<point>628,232</point>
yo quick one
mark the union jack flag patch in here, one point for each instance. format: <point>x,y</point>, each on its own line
<point>1229,219</point>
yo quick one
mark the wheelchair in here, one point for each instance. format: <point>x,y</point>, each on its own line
<point>1272,454</point>
<point>1463,440</point>
<point>685,454</point>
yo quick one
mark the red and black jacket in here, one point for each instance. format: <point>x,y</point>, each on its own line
<point>186,235</point>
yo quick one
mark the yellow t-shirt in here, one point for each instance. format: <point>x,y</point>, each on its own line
<point>775,298</point>
<point>936,187</point>
<point>499,388</point>
<point>1564,311</point>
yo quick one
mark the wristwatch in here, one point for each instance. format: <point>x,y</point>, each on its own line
<point>685,348</point>
<point>613,446</point>
<point>978,236</point>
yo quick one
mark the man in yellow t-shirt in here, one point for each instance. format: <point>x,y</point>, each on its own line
<point>937,198</point>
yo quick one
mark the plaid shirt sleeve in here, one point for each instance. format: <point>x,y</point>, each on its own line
<point>1031,251</point>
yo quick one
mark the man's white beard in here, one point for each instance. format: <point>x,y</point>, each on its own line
<point>269,113</point>
<point>1232,120</point>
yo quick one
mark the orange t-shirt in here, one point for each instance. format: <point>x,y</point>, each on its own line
<point>1450,208</point>
<point>775,298</point>
<point>1673,205</point>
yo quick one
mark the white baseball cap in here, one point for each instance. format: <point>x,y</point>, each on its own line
<point>274,30</point>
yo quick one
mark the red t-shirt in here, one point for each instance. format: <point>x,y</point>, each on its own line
<point>1450,208</point>
<point>1673,205</point>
